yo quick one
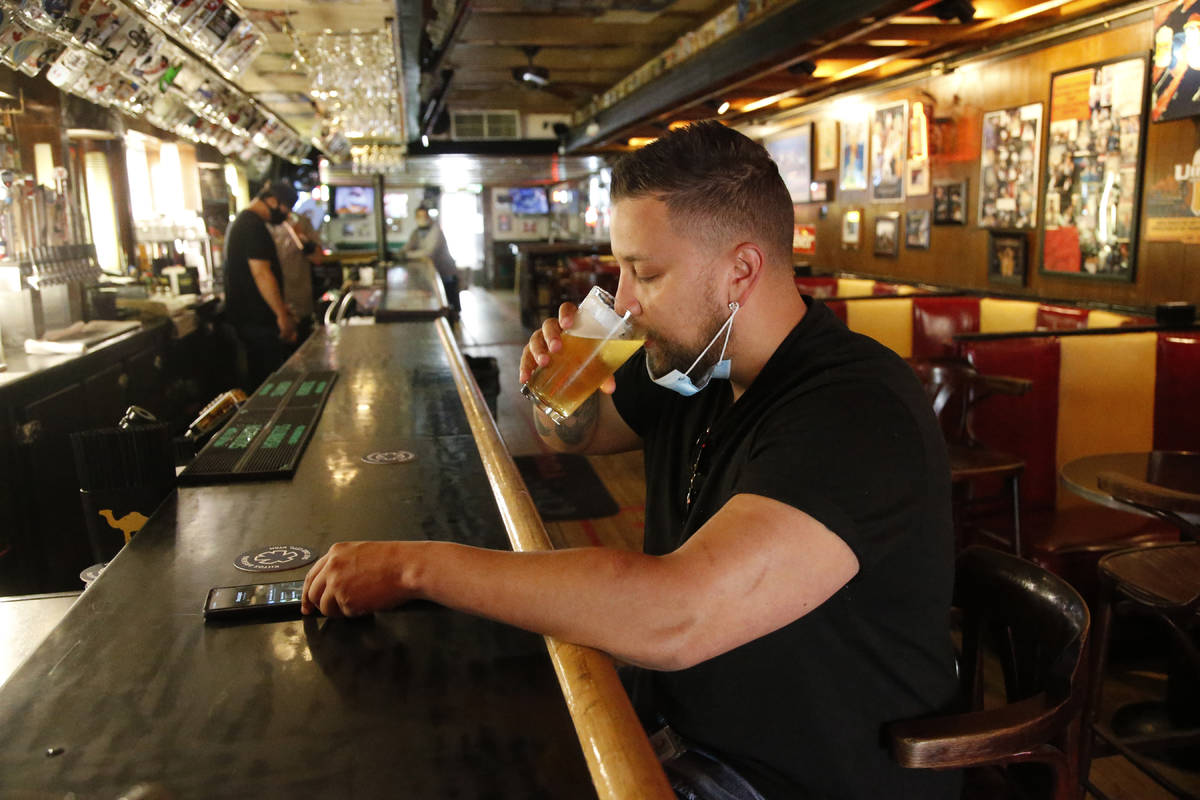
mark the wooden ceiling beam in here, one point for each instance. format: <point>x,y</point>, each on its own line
<point>503,29</point>
<point>782,37</point>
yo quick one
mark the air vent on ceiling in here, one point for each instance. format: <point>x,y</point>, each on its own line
<point>485,125</point>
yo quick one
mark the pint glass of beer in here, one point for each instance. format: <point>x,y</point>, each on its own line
<point>593,348</point>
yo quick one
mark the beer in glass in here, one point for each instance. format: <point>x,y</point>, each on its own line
<point>596,344</point>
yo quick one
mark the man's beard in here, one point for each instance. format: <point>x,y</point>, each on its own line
<point>669,354</point>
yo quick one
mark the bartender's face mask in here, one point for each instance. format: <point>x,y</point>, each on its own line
<point>681,383</point>
<point>278,215</point>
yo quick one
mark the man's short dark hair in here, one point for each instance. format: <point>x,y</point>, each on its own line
<point>282,191</point>
<point>716,182</point>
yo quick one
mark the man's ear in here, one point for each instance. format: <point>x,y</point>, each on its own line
<point>748,264</point>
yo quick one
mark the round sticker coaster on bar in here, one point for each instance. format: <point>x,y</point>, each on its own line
<point>389,457</point>
<point>274,558</point>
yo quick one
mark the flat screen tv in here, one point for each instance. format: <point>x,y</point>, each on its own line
<point>353,200</point>
<point>395,205</point>
<point>529,200</point>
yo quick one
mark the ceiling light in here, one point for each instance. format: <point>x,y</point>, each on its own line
<point>538,76</point>
<point>721,109</point>
<point>424,140</point>
<point>1040,8</point>
<point>763,103</point>
<point>641,141</point>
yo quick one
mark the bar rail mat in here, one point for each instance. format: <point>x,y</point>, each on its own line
<point>268,435</point>
<point>565,487</point>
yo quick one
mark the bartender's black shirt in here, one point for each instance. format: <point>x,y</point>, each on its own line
<point>248,238</point>
<point>837,426</point>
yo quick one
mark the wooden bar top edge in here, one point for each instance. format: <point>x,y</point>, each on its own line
<point>619,756</point>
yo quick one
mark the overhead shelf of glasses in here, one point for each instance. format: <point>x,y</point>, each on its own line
<point>171,62</point>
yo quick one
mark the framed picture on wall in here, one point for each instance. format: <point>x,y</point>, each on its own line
<point>916,177</point>
<point>1173,76</point>
<point>855,135</point>
<point>1008,167</point>
<point>950,203</point>
<point>851,228</point>
<point>887,234</point>
<point>792,153</point>
<point>916,228</point>
<point>1093,167</point>
<point>1007,256</point>
<point>827,144</point>
<point>889,151</point>
<point>804,239</point>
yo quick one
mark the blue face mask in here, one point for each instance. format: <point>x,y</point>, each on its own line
<point>680,383</point>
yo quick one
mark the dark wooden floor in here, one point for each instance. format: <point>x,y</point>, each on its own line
<point>490,326</point>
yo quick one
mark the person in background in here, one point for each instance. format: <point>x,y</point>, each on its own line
<point>254,300</point>
<point>428,241</point>
<point>299,248</point>
<point>793,593</point>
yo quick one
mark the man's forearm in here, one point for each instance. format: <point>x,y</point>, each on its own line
<point>268,287</point>
<point>625,603</point>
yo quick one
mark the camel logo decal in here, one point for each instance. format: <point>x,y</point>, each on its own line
<point>128,525</point>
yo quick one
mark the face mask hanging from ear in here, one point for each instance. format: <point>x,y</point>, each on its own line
<point>680,383</point>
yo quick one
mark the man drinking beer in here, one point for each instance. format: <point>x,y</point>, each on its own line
<point>793,592</point>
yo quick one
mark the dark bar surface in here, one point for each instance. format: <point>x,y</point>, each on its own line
<point>133,687</point>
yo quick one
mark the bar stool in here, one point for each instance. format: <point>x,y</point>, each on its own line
<point>1162,583</point>
<point>955,388</point>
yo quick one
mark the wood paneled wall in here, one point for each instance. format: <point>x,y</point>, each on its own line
<point>958,254</point>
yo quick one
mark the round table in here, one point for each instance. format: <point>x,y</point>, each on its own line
<point>1166,468</point>
<point>1161,579</point>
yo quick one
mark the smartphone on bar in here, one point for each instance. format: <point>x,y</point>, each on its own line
<point>257,600</point>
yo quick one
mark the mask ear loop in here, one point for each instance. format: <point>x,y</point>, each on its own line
<point>728,328</point>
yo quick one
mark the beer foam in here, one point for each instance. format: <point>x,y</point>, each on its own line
<point>589,328</point>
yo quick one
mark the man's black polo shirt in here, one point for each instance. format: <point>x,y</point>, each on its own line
<point>837,426</point>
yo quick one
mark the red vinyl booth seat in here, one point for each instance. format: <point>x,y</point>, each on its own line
<point>937,320</point>
<point>1061,318</point>
<point>817,286</point>
<point>1061,532</point>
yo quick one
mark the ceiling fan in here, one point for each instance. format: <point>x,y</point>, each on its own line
<point>538,78</point>
<point>532,76</point>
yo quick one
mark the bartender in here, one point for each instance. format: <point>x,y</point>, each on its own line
<point>428,241</point>
<point>254,301</point>
<point>299,248</point>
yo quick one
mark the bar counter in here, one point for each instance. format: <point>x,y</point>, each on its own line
<point>134,687</point>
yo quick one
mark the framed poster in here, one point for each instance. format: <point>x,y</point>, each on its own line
<point>1093,162</point>
<point>827,144</point>
<point>1171,199</point>
<point>1174,78</point>
<point>792,153</point>
<point>1007,256</point>
<point>1008,167</point>
<point>887,234</point>
<point>855,134</point>
<point>889,151</point>
<point>916,229</point>
<point>821,191</point>
<point>950,203</point>
<point>851,228</point>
